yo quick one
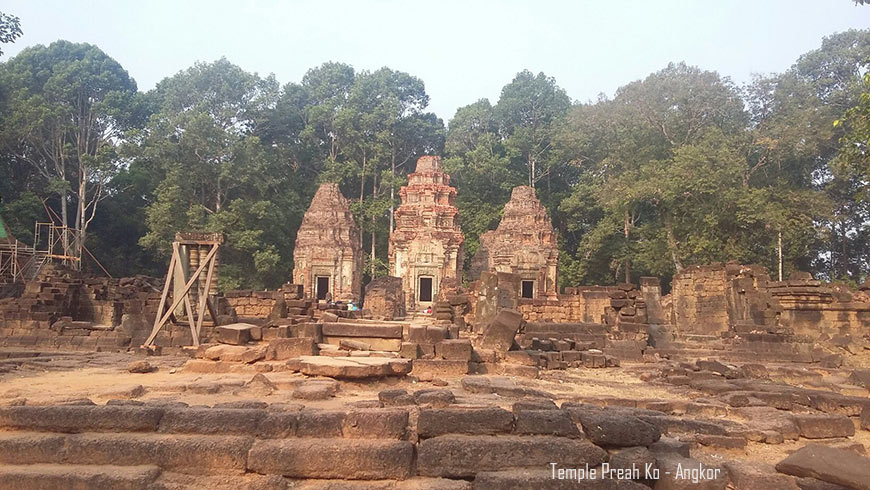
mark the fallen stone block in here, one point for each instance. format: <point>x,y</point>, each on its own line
<point>354,345</point>
<point>824,426</point>
<point>616,430</point>
<point>333,458</point>
<point>744,474</point>
<point>140,367</point>
<point>463,456</point>
<point>316,390</point>
<point>486,420</point>
<point>437,398</point>
<point>234,334</point>
<point>396,398</point>
<point>837,466</point>
<point>282,349</point>
<point>410,350</point>
<point>375,343</point>
<point>350,368</point>
<point>500,332</point>
<point>454,349</point>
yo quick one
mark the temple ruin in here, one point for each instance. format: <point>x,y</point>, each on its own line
<point>328,257</point>
<point>524,243</point>
<point>426,246</point>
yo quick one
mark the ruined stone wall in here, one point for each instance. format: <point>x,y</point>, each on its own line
<point>718,298</point>
<point>586,304</point>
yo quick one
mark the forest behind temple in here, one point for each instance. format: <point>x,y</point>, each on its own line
<point>683,167</point>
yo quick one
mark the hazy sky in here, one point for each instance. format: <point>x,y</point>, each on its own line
<point>462,50</point>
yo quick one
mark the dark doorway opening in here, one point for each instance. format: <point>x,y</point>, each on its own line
<point>425,291</point>
<point>528,289</point>
<point>322,287</point>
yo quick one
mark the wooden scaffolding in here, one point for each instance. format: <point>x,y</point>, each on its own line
<point>192,255</point>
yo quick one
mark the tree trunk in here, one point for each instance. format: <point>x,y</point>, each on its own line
<point>779,252</point>
<point>362,186</point>
<point>392,191</point>
<point>627,229</point>
<point>374,222</point>
<point>672,242</point>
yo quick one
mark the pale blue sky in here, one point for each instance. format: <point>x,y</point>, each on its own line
<point>462,50</point>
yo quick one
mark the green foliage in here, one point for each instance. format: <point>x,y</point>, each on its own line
<point>678,168</point>
<point>10,29</point>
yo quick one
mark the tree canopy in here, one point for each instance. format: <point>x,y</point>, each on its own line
<point>681,167</point>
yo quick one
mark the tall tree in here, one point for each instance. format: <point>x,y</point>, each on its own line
<point>10,29</point>
<point>68,106</point>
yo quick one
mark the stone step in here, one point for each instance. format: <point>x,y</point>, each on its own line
<point>94,477</point>
<point>189,453</point>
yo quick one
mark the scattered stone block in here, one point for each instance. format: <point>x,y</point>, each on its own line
<point>454,350</point>
<point>390,423</point>
<point>354,345</point>
<point>350,368</point>
<point>234,334</point>
<point>282,349</point>
<point>396,398</point>
<point>316,390</point>
<point>500,332</point>
<point>823,426</point>
<point>837,466</point>
<point>612,429</point>
<point>437,398</point>
<point>140,367</point>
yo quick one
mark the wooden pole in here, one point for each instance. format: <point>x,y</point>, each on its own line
<point>163,296</point>
<point>203,297</point>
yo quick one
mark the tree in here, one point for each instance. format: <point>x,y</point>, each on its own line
<point>527,112</point>
<point>10,29</point>
<point>216,175</point>
<point>67,108</point>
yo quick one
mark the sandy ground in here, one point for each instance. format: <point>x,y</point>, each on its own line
<point>103,376</point>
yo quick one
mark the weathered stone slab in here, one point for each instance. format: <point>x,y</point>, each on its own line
<point>462,456</point>
<point>45,476</point>
<point>545,422</point>
<point>211,421</point>
<point>282,349</point>
<point>234,333</point>
<point>389,423</point>
<point>838,466</point>
<point>429,368</point>
<point>375,343</point>
<point>499,334</point>
<point>613,429</point>
<point>358,459</point>
<point>454,349</point>
<point>385,331</point>
<point>350,367</point>
<point>486,420</point>
<point>81,418</point>
<point>824,426</point>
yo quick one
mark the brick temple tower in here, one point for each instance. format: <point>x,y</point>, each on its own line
<point>426,246</point>
<point>524,243</point>
<point>328,258</point>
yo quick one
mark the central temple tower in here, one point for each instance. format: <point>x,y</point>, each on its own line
<point>427,245</point>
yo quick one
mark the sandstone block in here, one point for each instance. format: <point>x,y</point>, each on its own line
<point>454,349</point>
<point>545,422</point>
<point>837,466</point>
<point>385,331</point>
<point>234,334</point>
<point>463,456</point>
<point>824,426</point>
<point>211,421</point>
<point>436,422</point>
<point>389,423</point>
<point>333,458</point>
<point>281,349</point>
<point>81,418</point>
<point>429,368</point>
<point>616,430</point>
<point>499,334</point>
